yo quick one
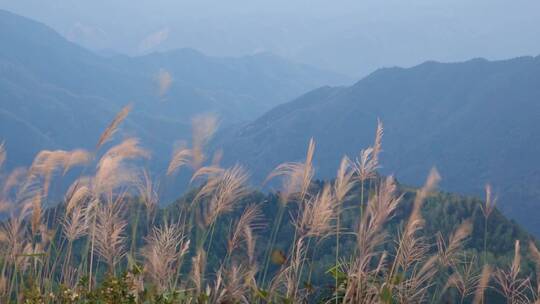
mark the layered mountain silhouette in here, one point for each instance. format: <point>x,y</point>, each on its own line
<point>478,122</point>
<point>55,94</point>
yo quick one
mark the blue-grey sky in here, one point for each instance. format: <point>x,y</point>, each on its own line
<point>353,37</point>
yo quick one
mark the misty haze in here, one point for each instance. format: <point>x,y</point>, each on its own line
<point>269,151</point>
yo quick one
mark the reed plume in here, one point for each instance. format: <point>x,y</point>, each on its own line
<point>297,175</point>
<point>113,126</point>
<point>487,208</point>
<point>75,223</point>
<point>47,162</point>
<point>146,189</point>
<point>448,252</point>
<point>109,238</point>
<point>222,193</point>
<point>112,171</point>
<point>513,287</point>
<point>198,269</point>
<point>317,215</point>
<point>203,128</point>
<point>249,221</point>
<point>36,214</point>
<point>465,279</point>
<point>483,284</point>
<point>182,156</point>
<point>166,246</point>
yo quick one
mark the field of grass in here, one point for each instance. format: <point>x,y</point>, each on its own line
<point>361,238</point>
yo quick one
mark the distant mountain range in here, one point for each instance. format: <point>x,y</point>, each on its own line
<point>476,121</point>
<point>55,94</point>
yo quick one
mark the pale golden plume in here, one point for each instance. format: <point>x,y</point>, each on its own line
<point>367,162</point>
<point>412,248</point>
<point>344,180</point>
<point>377,145</point>
<point>14,179</point>
<point>490,202</point>
<point>182,156</point>
<point>204,127</point>
<point>198,269</point>
<point>110,238</point>
<point>76,158</point>
<point>448,252</point>
<point>36,213</point>
<point>512,286</point>
<point>297,176</point>
<point>147,191</point>
<point>222,192</point>
<point>483,284</point>
<point>112,171</point>
<point>248,221</point>
<point>78,193</point>
<point>113,126</point>
<point>370,234</point>
<point>75,223</point>
<point>166,246</point>
<point>47,162</point>
<point>317,215</point>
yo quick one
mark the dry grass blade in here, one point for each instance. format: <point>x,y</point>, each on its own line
<point>490,203</point>
<point>204,127</point>
<point>380,209</point>
<point>210,172</point>
<point>317,214</point>
<point>412,249</point>
<point>483,284</point>
<point>78,194</point>
<point>110,237</point>
<point>14,238</point>
<point>75,223</point>
<point>377,145</point>
<point>297,176</point>
<point>182,156</point>
<point>166,246</point>
<point>198,269</point>
<point>344,180</point>
<point>448,252</point>
<point>246,224</point>
<point>113,126</point>
<point>147,192</point>
<point>111,170</point>
<point>222,192</point>
<point>14,179</point>
<point>464,279</point>
<point>47,162</point>
<point>370,236</point>
<point>367,163</point>
<point>36,214</point>
<point>513,287</point>
<point>76,158</point>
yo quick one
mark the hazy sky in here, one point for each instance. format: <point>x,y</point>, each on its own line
<point>349,36</point>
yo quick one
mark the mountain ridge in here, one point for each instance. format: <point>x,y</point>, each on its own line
<point>70,94</point>
<point>475,121</point>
